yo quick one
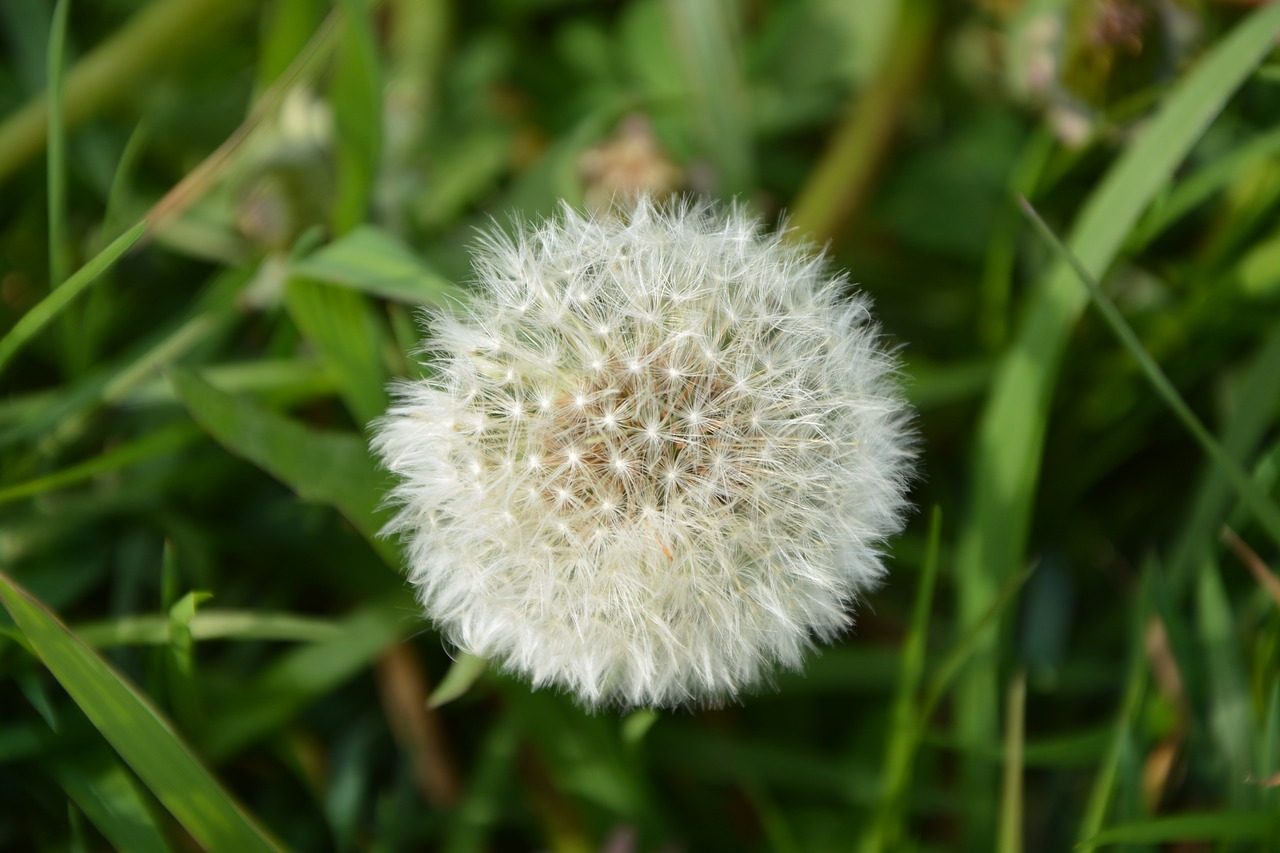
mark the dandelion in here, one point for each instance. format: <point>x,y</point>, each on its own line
<point>656,460</point>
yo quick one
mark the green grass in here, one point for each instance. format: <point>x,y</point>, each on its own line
<point>222,221</point>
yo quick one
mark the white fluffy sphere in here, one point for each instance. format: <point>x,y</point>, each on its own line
<point>657,456</point>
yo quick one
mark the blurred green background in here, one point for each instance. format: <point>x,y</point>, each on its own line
<point>221,219</point>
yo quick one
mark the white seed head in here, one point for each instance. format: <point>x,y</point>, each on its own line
<point>657,458</point>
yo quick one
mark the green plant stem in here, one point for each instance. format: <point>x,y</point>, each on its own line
<point>886,831</point>
<point>110,73</point>
<point>56,174</point>
<point>841,182</point>
<point>1104,781</point>
<point>1002,247</point>
<point>966,646</point>
<point>1010,840</point>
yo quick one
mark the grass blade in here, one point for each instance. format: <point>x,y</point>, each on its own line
<point>110,798</point>
<point>1104,783</point>
<point>199,180</point>
<point>705,35</point>
<point>53,304</point>
<point>64,416</point>
<point>1243,433</point>
<point>111,72</point>
<point>840,185</point>
<point>344,329</point>
<point>1230,722</point>
<point>209,625</point>
<point>1263,508</point>
<point>1010,838</point>
<point>1198,188</point>
<point>159,443</point>
<point>356,92</point>
<point>1266,578</point>
<point>299,677</point>
<point>1215,826</point>
<point>465,671</point>
<point>1268,763</point>
<point>1013,421</point>
<point>56,175</point>
<point>963,651</point>
<point>885,833</point>
<point>136,730</point>
<point>371,260</point>
<point>328,468</point>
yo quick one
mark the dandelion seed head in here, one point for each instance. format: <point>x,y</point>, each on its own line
<point>657,457</point>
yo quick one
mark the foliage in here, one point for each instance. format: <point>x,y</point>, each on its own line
<point>222,219</point>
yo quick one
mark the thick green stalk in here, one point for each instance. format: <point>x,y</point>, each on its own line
<point>840,183</point>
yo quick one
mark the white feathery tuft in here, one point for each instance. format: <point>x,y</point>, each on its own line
<point>658,456</point>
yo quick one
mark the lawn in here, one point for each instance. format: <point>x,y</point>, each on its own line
<point>225,223</point>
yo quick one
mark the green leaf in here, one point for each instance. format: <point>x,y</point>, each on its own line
<point>903,738</point>
<point>637,724</point>
<point>184,688</point>
<point>299,677</point>
<point>1105,779</point>
<point>356,91</point>
<point>1253,495</point>
<point>1200,186</point>
<point>34,691</point>
<point>278,382</point>
<point>208,625</point>
<point>1246,425</point>
<point>53,304</point>
<point>377,263</point>
<point>56,178</point>
<point>1215,826</point>
<point>328,468</point>
<point>24,740</point>
<point>1258,273</point>
<point>465,671</point>
<point>1230,722</point>
<point>706,37</point>
<point>343,327</point>
<point>1013,422</point>
<point>133,726</point>
<point>109,796</point>
<point>159,443</point>
<point>465,169</point>
<point>583,753</point>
